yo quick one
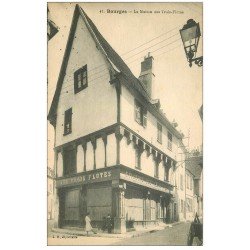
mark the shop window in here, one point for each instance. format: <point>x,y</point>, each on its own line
<point>170,139</point>
<point>69,161</point>
<point>68,121</point>
<point>159,132</point>
<point>80,79</point>
<point>140,114</point>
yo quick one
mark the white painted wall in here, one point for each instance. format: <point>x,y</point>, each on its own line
<point>150,132</point>
<point>127,158</point>
<point>94,107</point>
<point>59,165</point>
<point>127,153</point>
<point>147,164</point>
<point>89,157</point>
<point>111,150</point>
<point>100,153</point>
<point>80,159</point>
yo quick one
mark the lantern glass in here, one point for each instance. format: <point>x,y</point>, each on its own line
<point>190,35</point>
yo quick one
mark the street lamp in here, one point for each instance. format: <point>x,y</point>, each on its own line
<point>190,35</point>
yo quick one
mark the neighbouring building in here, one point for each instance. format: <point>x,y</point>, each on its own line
<point>50,195</point>
<point>115,150</point>
<point>194,166</point>
<point>190,198</point>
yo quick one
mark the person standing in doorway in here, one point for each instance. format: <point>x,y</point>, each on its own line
<point>109,223</point>
<point>88,227</point>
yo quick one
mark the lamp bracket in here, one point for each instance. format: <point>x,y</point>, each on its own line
<point>198,61</point>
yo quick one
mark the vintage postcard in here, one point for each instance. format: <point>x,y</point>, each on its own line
<point>125,118</point>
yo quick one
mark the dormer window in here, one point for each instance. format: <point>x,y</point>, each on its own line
<point>81,79</point>
<point>140,114</point>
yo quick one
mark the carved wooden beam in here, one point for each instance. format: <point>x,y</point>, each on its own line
<point>93,141</point>
<point>119,132</point>
<point>129,136</point>
<point>104,138</point>
<point>84,145</point>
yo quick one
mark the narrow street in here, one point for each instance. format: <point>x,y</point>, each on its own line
<point>177,235</point>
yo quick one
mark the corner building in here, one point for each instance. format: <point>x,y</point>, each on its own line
<point>115,150</point>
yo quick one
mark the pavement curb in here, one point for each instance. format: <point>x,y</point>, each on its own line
<point>122,236</point>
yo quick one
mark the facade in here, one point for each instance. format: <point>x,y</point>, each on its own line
<point>115,151</point>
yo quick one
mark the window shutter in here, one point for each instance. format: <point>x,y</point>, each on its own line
<point>144,119</point>
<point>70,120</point>
<point>75,82</point>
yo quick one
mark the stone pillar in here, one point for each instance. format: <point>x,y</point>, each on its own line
<point>119,132</point>
<point>119,219</point>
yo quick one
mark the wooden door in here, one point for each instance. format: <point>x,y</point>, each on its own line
<point>71,207</point>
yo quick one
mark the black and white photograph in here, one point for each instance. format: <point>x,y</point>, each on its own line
<point>125,123</point>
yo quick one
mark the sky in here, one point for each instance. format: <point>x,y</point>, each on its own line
<point>133,35</point>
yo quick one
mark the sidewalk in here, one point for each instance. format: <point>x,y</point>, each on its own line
<point>142,231</point>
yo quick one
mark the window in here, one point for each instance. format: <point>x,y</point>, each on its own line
<point>166,173</point>
<point>69,161</point>
<point>137,158</point>
<point>68,121</point>
<point>181,181</point>
<point>80,79</point>
<point>140,114</point>
<point>191,183</point>
<point>170,139</point>
<point>159,133</point>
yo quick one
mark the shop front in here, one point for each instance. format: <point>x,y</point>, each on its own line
<point>131,198</point>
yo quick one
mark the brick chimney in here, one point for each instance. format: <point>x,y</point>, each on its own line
<point>147,76</point>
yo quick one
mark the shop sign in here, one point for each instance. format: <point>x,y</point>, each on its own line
<point>135,178</point>
<point>88,178</point>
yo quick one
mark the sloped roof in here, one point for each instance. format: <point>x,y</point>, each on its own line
<point>195,165</point>
<point>112,56</point>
